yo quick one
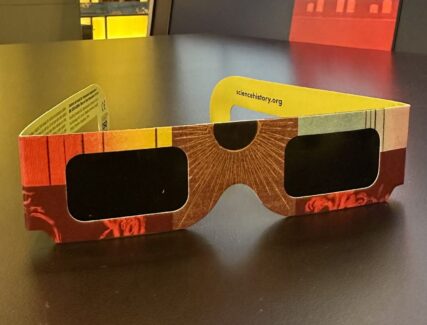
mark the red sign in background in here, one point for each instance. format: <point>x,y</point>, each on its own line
<point>367,24</point>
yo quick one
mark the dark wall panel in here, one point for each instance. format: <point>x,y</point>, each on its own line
<point>23,21</point>
<point>411,35</point>
<point>257,18</point>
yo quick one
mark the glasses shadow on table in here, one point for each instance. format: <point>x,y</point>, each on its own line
<point>363,238</point>
<point>354,250</point>
<point>329,261</point>
<point>124,252</point>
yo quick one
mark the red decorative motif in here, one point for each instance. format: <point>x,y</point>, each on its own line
<point>337,201</point>
<point>46,206</point>
<point>123,227</point>
<point>39,213</point>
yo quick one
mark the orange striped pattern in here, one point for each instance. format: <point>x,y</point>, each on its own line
<point>44,158</point>
<point>56,159</point>
<point>34,161</point>
<point>93,142</point>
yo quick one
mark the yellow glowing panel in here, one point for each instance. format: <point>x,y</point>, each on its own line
<point>127,26</point>
<point>85,21</point>
<point>98,24</point>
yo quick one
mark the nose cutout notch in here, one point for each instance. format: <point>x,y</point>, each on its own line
<point>235,135</point>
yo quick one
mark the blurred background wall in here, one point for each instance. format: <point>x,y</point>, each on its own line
<point>272,19</point>
<point>55,20</point>
<point>412,29</point>
<point>39,20</point>
<point>257,18</point>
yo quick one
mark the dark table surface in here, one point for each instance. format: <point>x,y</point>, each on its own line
<point>242,264</point>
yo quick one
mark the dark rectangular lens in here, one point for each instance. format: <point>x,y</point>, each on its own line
<point>118,184</point>
<point>324,163</point>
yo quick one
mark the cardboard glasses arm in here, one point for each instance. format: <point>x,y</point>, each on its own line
<point>285,100</point>
<point>72,114</point>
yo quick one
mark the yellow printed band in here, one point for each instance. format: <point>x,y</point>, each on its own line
<point>164,137</point>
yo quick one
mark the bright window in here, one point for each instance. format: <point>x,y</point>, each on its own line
<point>127,26</point>
<point>114,19</point>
